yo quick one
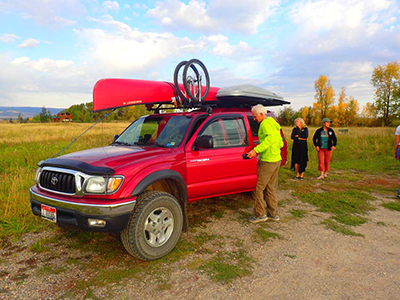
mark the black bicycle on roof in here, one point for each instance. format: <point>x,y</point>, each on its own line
<point>193,76</point>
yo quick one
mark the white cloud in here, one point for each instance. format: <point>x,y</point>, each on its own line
<point>53,83</point>
<point>44,65</point>
<point>29,43</point>
<point>220,15</point>
<point>63,21</point>
<point>46,12</point>
<point>108,20</point>
<point>342,39</point>
<point>130,52</point>
<point>221,47</point>
<point>8,38</point>
<point>323,26</point>
<point>111,6</point>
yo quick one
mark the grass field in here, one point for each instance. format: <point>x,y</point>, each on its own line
<point>363,160</point>
<point>362,169</point>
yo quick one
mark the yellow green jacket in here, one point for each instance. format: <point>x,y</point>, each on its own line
<point>269,136</point>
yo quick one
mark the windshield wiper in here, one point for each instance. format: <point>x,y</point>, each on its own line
<point>158,145</point>
<point>150,144</point>
<point>121,143</point>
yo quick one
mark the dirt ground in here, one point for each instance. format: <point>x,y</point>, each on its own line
<point>309,262</point>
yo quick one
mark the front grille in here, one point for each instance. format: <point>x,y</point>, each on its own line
<point>58,181</point>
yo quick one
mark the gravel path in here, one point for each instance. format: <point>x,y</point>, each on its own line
<point>307,262</point>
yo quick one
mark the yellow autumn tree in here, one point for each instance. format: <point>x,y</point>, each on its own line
<point>352,109</point>
<point>368,114</point>
<point>315,114</point>
<point>340,115</point>
<point>324,95</point>
<point>305,114</point>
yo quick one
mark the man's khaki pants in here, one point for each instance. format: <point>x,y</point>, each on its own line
<point>265,192</point>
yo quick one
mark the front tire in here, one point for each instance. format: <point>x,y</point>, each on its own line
<point>154,227</point>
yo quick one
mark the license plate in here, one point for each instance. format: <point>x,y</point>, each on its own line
<point>49,213</point>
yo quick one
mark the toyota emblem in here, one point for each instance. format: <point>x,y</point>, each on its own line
<point>54,180</point>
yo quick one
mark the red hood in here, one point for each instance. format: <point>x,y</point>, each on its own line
<point>116,157</point>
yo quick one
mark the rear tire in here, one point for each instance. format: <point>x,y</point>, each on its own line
<point>154,227</point>
<point>176,82</point>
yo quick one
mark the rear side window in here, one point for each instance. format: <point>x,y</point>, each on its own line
<point>227,132</point>
<point>255,126</point>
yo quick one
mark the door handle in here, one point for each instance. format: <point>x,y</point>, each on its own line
<point>245,156</point>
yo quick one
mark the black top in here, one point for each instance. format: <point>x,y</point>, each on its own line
<point>332,140</point>
<point>299,150</point>
<point>303,133</point>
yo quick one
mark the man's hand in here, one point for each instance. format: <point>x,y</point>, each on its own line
<point>251,154</point>
<point>333,148</point>
<point>317,148</point>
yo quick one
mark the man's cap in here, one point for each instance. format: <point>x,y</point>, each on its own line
<point>326,120</point>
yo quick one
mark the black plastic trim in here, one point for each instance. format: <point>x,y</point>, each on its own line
<point>77,165</point>
<point>153,177</point>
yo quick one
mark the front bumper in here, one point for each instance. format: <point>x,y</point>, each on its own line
<point>76,214</point>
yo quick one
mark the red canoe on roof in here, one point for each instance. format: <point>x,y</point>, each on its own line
<point>114,93</point>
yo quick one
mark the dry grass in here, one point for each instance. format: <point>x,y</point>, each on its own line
<point>32,132</point>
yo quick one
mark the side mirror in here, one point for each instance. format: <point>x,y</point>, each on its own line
<point>115,137</point>
<point>204,142</point>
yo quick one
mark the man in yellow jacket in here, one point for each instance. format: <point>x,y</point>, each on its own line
<point>269,148</point>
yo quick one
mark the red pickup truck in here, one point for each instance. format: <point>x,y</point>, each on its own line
<point>141,183</point>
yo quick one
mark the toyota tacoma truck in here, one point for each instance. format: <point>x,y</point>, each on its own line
<point>141,184</point>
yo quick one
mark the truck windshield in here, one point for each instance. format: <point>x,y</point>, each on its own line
<point>158,131</point>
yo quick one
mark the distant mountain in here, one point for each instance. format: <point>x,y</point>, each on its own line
<point>7,112</point>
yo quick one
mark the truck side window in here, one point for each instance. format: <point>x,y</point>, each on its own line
<point>227,132</point>
<point>254,126</point>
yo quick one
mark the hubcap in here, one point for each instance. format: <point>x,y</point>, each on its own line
<point>158,227</point>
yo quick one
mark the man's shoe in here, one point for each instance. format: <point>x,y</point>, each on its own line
<point>276,218</point>
<point>398,195</point>
<point>255,219</point>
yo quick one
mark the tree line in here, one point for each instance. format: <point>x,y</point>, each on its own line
<point>384,110</point>
<point>83,113</point>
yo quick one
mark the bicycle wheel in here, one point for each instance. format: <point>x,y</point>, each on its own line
<point>196,80</point>
<point>177,77</point>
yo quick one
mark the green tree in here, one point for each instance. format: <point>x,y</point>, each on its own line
<point>386,81</point>
<point>45,115</point>
<point>286,116</point>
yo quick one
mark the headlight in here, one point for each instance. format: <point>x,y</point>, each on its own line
<point>37,175</point>
<point>101,185</point>
<point>96,185</point>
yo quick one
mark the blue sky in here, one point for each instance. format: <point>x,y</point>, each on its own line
<point>52,52</point>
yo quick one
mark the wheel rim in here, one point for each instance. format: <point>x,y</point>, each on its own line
<point>158,227</point>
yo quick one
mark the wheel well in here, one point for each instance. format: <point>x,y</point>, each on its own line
<point>174,188</point>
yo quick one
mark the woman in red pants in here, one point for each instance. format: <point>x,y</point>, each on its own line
<point>325,142</point>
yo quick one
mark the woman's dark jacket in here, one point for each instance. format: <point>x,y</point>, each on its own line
<point>299,150</point>
<point>331,138</point>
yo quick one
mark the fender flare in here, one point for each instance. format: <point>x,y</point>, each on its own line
<point>166,174</point>
<point>158,175</point>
